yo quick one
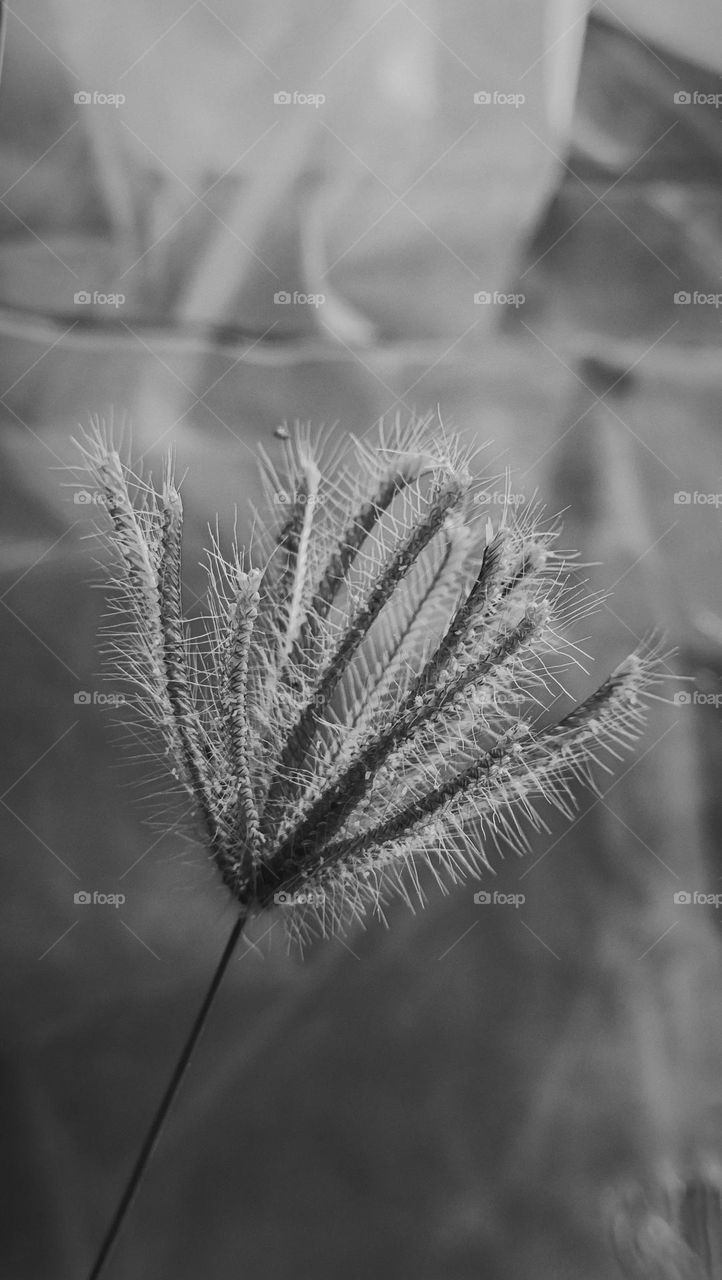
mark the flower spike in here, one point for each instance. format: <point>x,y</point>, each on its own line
<point>375,688</point>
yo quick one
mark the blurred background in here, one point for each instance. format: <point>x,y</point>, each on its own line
<point>220,217</point>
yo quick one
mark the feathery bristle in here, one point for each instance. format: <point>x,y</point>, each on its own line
<point>372,690</point>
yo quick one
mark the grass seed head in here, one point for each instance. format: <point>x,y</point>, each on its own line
<point>374,692</point>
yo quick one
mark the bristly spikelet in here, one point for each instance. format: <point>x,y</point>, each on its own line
<point>373,692</point>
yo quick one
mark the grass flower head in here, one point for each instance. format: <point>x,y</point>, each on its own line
<point>369,690</point>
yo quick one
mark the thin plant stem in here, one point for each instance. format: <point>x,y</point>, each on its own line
<point>166,1103</point>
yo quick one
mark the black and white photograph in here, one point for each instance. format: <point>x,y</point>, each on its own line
<point>361,612</point>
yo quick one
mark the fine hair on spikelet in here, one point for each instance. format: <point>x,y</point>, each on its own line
<point>369,688</point>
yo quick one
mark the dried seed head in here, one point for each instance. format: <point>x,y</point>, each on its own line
<point>371,695</point>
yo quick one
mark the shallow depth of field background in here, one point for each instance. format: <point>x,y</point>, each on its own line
<point>450,1099</point>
